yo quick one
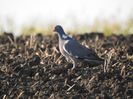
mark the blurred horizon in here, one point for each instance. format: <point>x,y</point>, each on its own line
<point>19,16</point>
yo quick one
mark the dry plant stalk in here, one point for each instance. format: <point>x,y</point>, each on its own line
<point>20,94</point>
<point>107,61</point>
<point>123,71</point>
<point>12,42</point>
<point>32,42</point>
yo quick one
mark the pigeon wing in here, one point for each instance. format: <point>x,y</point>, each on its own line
<point>75,49</point>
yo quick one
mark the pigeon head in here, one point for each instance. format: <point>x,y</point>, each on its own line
<point>59,29</point>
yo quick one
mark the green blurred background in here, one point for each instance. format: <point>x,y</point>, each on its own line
<point>76,16</point>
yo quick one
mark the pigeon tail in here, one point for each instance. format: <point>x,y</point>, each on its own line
<point>94,62</point>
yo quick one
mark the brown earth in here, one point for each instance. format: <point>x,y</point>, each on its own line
<point>32,67</point>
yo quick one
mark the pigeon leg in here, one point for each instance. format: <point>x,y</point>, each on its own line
<point>74,64</point>
<point>68,59</point>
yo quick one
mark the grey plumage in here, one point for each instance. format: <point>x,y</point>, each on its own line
<point>74,51</point>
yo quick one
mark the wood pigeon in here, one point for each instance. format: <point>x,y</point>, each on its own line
<point>74,51</point>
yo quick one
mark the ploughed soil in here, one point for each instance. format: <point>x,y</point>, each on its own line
<point>32,67</point>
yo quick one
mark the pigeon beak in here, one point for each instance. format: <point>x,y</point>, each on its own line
<point>54,30</point>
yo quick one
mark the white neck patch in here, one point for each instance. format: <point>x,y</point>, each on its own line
<point>64,36</point>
